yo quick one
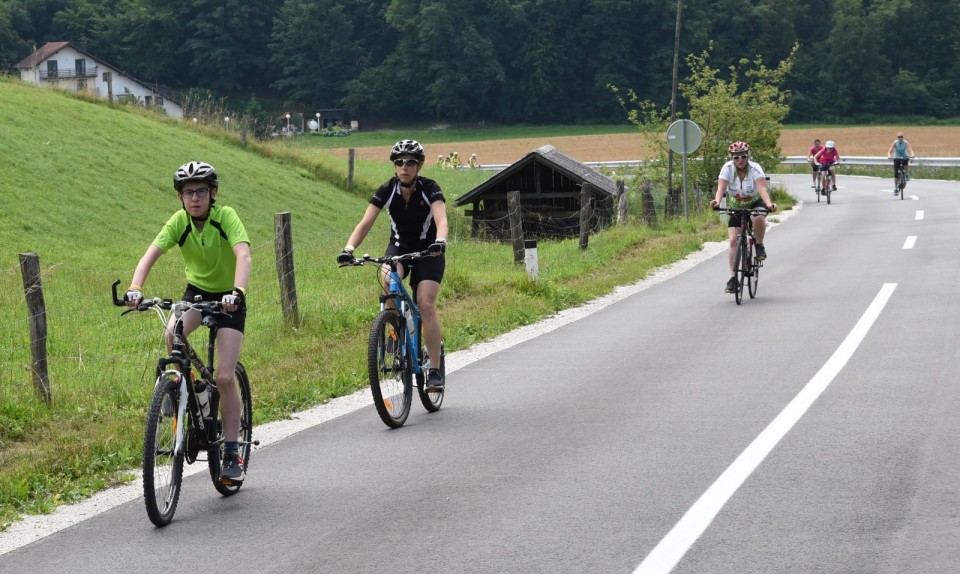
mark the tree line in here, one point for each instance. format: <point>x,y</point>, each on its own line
<point>509,61</point>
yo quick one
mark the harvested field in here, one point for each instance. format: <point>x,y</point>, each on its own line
<point>852,141</point>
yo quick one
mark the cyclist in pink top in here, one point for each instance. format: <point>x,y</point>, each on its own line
<point>829,156</point>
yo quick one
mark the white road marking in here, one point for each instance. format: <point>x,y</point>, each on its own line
<point>910,242</point>
<point>919,214</point>
<point>668,553</point>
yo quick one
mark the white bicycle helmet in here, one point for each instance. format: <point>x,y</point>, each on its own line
<point>830,144</point>
<point>195,171</point>
<point>407,147</point>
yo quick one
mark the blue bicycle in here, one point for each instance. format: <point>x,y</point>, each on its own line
<point>395,351</point>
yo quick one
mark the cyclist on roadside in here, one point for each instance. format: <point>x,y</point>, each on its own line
<point>813,164</point>
<point>829,156</point>
<point>418,221</point>
<point>745,185</point>
<point>216,252</point>
<point>901,153</point>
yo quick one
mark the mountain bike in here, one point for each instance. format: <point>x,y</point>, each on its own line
<point>746,265</point>
<point>183,417</point>
<point>823,183</point>
<point>901,165</point>
<point>395,349</point>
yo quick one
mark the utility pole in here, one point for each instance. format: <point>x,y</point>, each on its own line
<point>673,94</point>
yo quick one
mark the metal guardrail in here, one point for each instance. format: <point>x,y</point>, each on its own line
<point>788,160</point>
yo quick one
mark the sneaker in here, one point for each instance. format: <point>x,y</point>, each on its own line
<point>731,285</point>
<point>761,252</point>
<point>906,176</point>
<point>434,381</point>
<point>834,188</point>
<point>232,469</point>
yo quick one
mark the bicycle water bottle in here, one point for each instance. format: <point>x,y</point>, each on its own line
<point>203,396</point>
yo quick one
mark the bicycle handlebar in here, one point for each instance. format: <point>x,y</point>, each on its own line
<point>752,210</point>
<point>206,307</point>
<point>392,259</point>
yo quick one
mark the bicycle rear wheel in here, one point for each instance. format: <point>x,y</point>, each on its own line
<point>215,453</point>
<point>162,467</point>
<point>391,375</point>
<point>741,266</point>
<point>432,401</point>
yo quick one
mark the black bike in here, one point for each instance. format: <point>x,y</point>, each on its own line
<point>823,182</point>
<point>183,417</point>
<point>901,165</point>
<point>746,265</point>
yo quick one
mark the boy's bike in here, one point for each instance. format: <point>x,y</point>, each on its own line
<point>395,350</point>
<point>183,417</point>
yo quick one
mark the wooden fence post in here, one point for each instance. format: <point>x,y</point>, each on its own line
<point>621,203</point>
<point>516,225</point>
<point>586,212</point>
<point>351,158</point>
<point>283,240</point>
<point>648,206</point>
<point>37,316</point>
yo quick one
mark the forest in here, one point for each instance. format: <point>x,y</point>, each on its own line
<point>508,61</point>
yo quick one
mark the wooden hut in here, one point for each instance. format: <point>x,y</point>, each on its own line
<point>549,185</point>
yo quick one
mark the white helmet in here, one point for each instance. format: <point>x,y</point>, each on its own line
<point>830,144</point>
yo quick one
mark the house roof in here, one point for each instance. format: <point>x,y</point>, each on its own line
<point>50,49</point>
<point>557,160</point>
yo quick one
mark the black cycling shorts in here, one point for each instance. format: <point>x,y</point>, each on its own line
<point>735,219</point>
<point>237,320</point>
<point>897,162</point>
<point>426,269</point>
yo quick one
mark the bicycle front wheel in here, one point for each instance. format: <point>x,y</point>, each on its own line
<point>741,265</point>
<point>903,183</point>
<point>391,375</point>
<point>754,279</point>
<point>215,453</point>
<point>162,466</point>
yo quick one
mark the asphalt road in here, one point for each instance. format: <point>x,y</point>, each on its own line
<point>812,429</point>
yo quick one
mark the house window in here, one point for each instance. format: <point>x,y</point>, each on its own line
<point>81,67</point>
<point>147,100</point>
<point>51,68</point>
<point>159,101</point>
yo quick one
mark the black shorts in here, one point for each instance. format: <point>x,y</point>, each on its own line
<point>735,219</point>
<point>897,162</point>
<point>426,269</point>
<point>237,320</point>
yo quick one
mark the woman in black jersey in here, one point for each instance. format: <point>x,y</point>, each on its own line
<point>418,221</point>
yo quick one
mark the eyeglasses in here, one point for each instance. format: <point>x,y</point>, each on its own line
<point>198,193</point>
<point>899,137</point>
<point>407,162</point>
<point>740,157</point>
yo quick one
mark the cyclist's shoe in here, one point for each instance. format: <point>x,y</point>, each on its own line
<point>166,407</point>
<point>434,382</point>
<point>896,191</point>
<point>906,176</point>
<point>731,285</point>
<point>232,470</point>
<point>834,188</point>
<point>761,252</point>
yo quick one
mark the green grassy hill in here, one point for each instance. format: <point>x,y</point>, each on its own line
<point>87,187</point>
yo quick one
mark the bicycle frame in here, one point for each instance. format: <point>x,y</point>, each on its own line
<point>409,313</point>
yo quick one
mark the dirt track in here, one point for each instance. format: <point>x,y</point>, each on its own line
<point>866,141</point>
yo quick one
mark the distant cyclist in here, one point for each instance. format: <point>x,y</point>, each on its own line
<point>816,147</point>
<point>901,153</point>
<point>829,157</point>
<point>745,185</point>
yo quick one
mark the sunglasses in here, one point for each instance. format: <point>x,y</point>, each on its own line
<point>406,162</point>
<point>740,157</point>
<point>198,193</point>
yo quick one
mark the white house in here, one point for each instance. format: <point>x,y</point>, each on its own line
<point>68,66</point>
